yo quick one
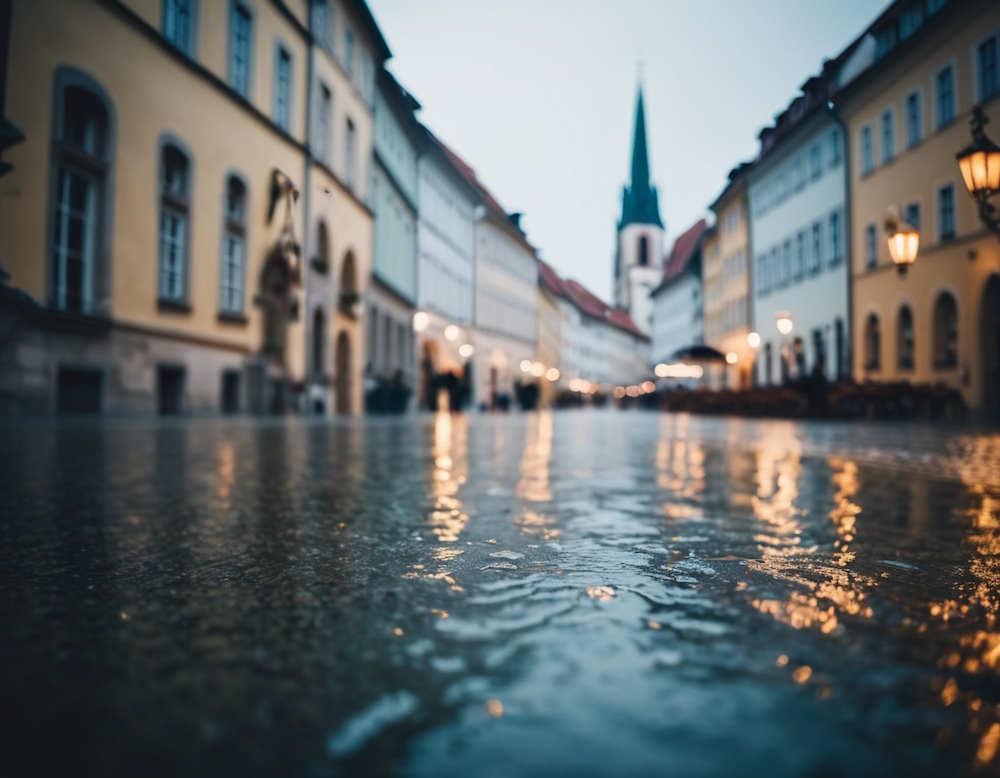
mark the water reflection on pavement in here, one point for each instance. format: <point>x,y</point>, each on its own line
<point>579,593</point>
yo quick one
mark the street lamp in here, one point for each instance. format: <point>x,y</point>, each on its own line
<point>980,166</point>
<point>783,322</point>
<point>904,240</point>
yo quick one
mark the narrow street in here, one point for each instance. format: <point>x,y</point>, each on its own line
<point>586,593</point>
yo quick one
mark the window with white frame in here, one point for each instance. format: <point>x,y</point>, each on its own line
<point>873,343</point>
<point>283,88</point>
<point>240,36</point>
<point>944,96</point>
<point>349,51</point>
<point>786,263</point>
<point>321,19</point>
<point>800,255</point>
<point>946,212</point>
<point>945,335</point>
<point>815,161</point>
<point>867,150</point>
<point>911,215</point>
<point>914,120</point>
<point>835,150</point>
<point>816,257</point>
<point>904,339</point>
<point>324,112</point>
<point>987,69</point>
<point>836,244</point>
<point>888,123</point>
<point>174,212</point>
<point>81,157</point>
<point>910,20</point>
<point>871,246</point>
<point>233,248</point>
<point>178,24</point>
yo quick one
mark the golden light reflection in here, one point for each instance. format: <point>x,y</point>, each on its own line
<point>494,708</point>
<point>680,467</point>
<point>227,468</point>
<point>601,593</point>
<point>534,483</point>
<point>541,527</point>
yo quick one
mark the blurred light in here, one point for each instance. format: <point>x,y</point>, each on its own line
<point>632,391</point>
<point>552,374</point>
<point>451,332</point>
<point>732,358</point>
<point>466,350</point>
<point>784,322</point>
<point>648,386</point>
<point>679,371</point>
<point>753,340</point>
<point>494,708</point>
<point>537,369</point>
<point>525,365</point>
<point>420,321</point>
<point>619,392</point>
<point>661,370</point>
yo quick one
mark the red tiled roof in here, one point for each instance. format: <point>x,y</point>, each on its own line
<point>683,250</point>
<point>591,305</point>
<point>550,279</point>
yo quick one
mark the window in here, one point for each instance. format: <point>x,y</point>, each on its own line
<point>944,85</point>
<point>987,69</point>
<point>945,331</point>
<point>888,136</point>
<point>871,246</point>
<point>349,51</point>
<point>946,212</point>
<point>885,41</point>
<point>318,359</point>
<point>904,339</point>
<point>283,89</point>
<point>239,48</point>
<point>835,154</point>
<point>233,248</point>
<point>816,259</point>
<point>323,114</point>
<point>835,240</point>
<point>643,251</point>
<point>761,275</point>
<point>914,120</point>
<point>349,160</point>
<point>81,153</point>
<point>933,6</point>
<point>174,209</point>
<point>867,150</point>
<point>815,161</point>
<point>786,263</point>
<point>800,255</point>
<point>321,22</point>
<point>911,215</point>
<point>178,24</point>
<point>911,20</point>
<point>873,343</point>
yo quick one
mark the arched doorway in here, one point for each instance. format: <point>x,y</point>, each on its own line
<point>989,347</point>
<point>342,360</point>
<point>349,294</point>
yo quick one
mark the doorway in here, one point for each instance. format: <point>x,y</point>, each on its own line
<point>342,360</point>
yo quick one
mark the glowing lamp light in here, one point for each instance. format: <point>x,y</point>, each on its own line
<point>537,369</point>
<point>525,365</point>
<point>661,370</point>
<point>420,321</point>
<point>980,166</point>
<point>784,323</point>
<point>903,246</point>
<point>648,387</point>
<point>619,392</point>
<point>552,374</point>
<point>753,340</point>
<point>632,391</point>
<point>732,358</point>
<point>680,370</point>
<point>451,332</point>
<point>466,350</point>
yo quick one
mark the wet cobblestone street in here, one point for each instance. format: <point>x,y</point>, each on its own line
<point>586,593</point>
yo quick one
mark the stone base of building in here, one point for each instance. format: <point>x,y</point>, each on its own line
<point>53,362</point>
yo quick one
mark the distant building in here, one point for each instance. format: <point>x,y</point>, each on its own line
<point>797,196</point>
<point>446,261</point>
<point>639,253</point>
<point>390,366</point>
<point>678,313</point>
<point>726,278</point>
<point>905,93</point>
<point>549,351</point>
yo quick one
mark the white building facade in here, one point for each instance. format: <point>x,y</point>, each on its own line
<point>797,201</point>
<point>678,317</point>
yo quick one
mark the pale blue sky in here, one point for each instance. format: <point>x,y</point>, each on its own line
<point>539,97</point>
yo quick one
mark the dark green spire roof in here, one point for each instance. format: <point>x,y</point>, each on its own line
<point>639,202</point>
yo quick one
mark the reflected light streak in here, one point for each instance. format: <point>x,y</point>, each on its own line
<point>534,483</point>
<point>227,469</point>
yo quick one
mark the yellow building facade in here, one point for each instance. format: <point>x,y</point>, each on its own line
<point>907,116</point>
<point>726,276</point>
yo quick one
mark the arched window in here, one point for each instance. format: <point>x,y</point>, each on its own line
<point>348,285</point>
<point>904,338</point>
<point>945,331</point>
<point>318,344</point>
<point>873,343</point>
<point>233,248</point>
<point>643,251</point>
<point>82,148</point>
<point>175,174</point>
<point>321,262</point>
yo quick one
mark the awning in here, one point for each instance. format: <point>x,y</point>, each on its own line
<point>697,353</point>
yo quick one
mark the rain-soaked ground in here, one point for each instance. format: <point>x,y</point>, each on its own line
<point>587,593</point>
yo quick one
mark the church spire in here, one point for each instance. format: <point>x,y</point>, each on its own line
<point>639,201</point>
